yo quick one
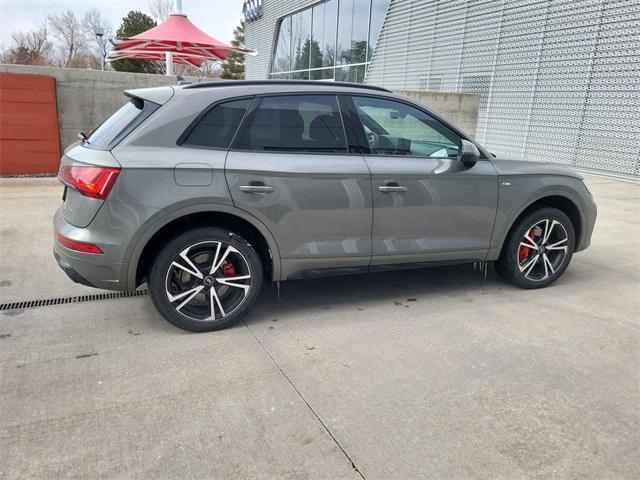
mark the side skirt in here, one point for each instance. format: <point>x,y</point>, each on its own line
<point>335,272</point>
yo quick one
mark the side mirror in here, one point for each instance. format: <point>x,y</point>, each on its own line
<point>468,153</point>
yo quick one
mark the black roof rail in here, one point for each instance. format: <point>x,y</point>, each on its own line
<point>315,83</point>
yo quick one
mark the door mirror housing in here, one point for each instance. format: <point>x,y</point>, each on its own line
<point>468,153</point>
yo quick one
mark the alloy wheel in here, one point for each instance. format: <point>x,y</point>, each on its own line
<point>208,281</point>
<point>542,250</point>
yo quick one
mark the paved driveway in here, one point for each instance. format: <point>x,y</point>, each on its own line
<point>421,374</point>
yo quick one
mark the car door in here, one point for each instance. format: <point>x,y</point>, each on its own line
<point>428,206</point>
<point>289,166</point>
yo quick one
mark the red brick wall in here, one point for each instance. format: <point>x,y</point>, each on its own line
<point>29,138</point>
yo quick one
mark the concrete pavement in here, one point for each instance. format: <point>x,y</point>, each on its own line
<point>420,374</point>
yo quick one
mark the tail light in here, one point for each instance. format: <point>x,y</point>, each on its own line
<point>77,246</point>
<point>94,182</point>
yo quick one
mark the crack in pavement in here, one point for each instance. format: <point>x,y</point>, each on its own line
<point>315,414</point>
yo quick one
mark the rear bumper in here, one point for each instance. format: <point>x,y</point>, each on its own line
<point>71,272</point>
<point>99,271</point>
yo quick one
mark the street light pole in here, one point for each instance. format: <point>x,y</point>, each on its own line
<point>99,31</point>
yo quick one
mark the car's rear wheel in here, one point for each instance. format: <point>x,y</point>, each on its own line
<point>538,249</point>
<point>205,279</point>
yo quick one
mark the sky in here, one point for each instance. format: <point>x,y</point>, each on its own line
<point>218,18</point>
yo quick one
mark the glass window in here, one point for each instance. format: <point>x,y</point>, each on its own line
<point>282,57</point>
<point>103,136</point>
<point>325,20</point>
<point>378,11</point>
<point>322,74</point>
<point>351,74</point>
<point>353,31</point>
<point>395,128</point>
<point>296,123</point>
<point>217,127</point>
<point>301,39</point>
<point>328,34</point>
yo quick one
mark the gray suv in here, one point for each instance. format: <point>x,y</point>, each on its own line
<point>204,190</point>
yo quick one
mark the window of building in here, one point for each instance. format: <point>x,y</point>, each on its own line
<point>217,127</point>
<point>282,54</point>
<point>323,30</point>
<point>333,39</point>
<point>378,11</point>
<point>353,31</point>
<point>395,128</point>
<point>301,44</point>
<point>296,123</point>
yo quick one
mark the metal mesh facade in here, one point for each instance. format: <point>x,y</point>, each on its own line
<point>559,79</point>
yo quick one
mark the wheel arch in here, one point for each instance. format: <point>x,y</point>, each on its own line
<point>198,215</point>
<point>560,200</point>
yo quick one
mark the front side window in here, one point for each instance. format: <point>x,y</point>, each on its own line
<point>395,128</point>
<point>295,123</point>
<point>217,127</point>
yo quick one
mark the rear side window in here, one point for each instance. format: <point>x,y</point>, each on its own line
<point>296,123</point>
<point>120,124</point>
<point>217,127</point>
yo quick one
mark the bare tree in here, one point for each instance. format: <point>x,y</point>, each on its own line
<point>211,69</point>
<point>92,22</point>
<point>160,9</point>
<point>71,50</point>
<point>30,48</point>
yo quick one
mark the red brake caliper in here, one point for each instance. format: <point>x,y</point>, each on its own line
<point>229,270</point>
<point>523,253</point>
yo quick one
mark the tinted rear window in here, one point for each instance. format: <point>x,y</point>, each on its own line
<point>295,123</point>
<point>218,126</point>
<point>103,137</point>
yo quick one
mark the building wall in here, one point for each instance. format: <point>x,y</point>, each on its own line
<point>559,80</point>
<point>461,109</point>
<point>260,35</point>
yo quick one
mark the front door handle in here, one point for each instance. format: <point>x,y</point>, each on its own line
<point>261,188</point>
<point>392,188</point>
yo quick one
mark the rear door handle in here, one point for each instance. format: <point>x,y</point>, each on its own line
<point>392,189</point>
<point>256,188</point>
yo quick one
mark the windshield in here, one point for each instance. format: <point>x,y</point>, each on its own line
<point>102,137</point>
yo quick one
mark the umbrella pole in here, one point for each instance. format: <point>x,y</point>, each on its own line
<point>169,55</point>
<point>169,62</point>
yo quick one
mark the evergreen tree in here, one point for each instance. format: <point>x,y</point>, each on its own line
<point>233,66</point>
<point>134,23</point>
<point>310,50</point>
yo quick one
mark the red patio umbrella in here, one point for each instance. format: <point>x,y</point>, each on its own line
<point>178,57</point>
<point>177,36</point>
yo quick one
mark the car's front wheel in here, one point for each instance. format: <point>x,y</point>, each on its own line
<point>205,279</point>
<point>538,249</point>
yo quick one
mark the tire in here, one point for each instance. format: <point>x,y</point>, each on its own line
<point>530,262</point>
<point>182,279</point>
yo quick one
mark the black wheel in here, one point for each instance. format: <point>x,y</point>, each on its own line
<point>205,279</point>
<point>538,249</point>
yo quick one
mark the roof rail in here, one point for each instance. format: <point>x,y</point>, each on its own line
<point>315,83</point>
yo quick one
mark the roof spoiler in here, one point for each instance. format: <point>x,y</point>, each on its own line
<point>159,95</point>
